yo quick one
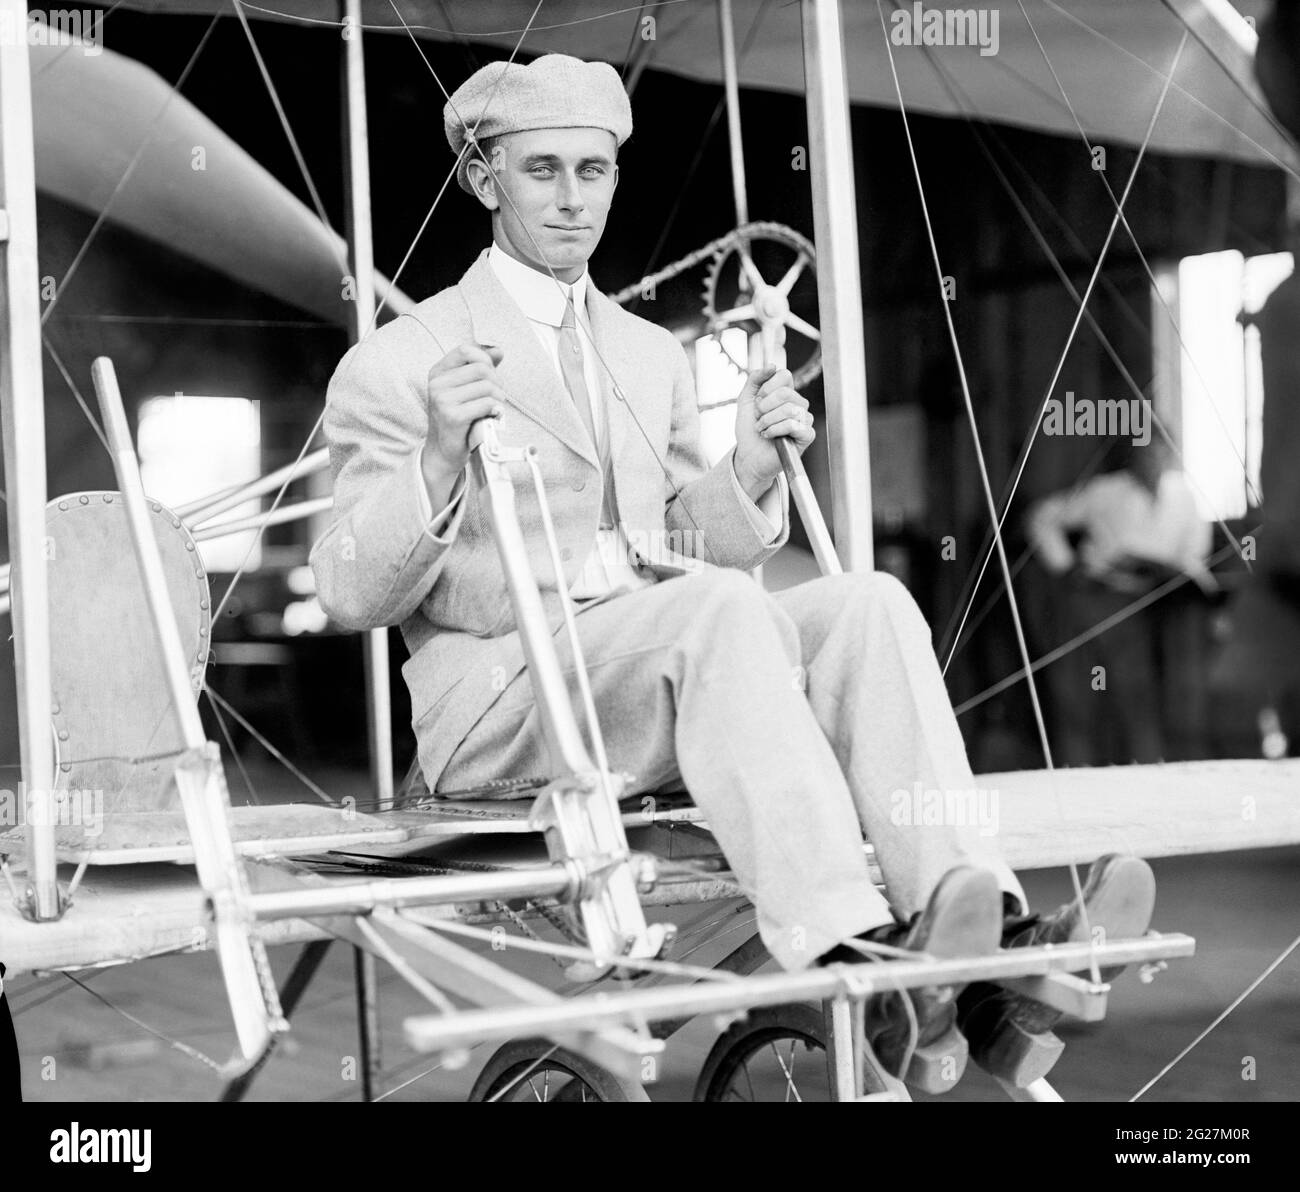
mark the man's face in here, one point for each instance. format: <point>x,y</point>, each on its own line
<point>551,195</point>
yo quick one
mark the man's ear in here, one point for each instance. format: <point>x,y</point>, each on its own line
<point>482,182</point>
<point>613,188</point>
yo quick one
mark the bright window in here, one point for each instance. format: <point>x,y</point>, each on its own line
<point>191,447</point>
<point>717,379</point>
<point>1218,375</point>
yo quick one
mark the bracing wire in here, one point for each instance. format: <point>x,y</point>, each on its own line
<point>999,519</point>
<point>1007,575</point>
<point>127,174</point>
<point>985,483</point>
<point>1151,277</point>
<point>952,642</point>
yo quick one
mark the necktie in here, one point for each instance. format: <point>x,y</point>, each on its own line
<point>576,381</point>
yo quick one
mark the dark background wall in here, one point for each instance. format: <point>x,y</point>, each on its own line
<point>171,325</point>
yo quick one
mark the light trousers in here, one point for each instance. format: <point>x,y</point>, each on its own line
<point>798,721</point>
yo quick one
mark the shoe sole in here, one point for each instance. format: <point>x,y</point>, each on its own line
<point>966,921</point>
<point>1120,898</point>
<point>967,918</point>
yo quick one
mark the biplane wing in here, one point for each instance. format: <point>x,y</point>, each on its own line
<point>93,114</point>
<point>114,138</point>
<point>131,904</point>
<point>1109,55</point>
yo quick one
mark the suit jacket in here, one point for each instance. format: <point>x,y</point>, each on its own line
<point>377,564</point>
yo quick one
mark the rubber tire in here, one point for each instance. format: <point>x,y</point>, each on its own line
<point>741,1039</point>
<point>511,1059</point>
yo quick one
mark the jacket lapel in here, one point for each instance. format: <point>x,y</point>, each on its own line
<point>527,376</point>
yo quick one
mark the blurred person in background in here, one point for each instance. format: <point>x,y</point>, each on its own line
<point>1111,541</point>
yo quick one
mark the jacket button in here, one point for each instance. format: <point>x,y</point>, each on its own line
<point>566,554</point>
<point>578,485</point>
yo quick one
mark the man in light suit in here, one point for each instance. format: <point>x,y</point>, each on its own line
<point>795,720</point>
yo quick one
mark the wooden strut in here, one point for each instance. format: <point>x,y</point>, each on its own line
<point>299,979</point>
<point>22,412</point>
<point>199,777</point>
<point>772,339</point>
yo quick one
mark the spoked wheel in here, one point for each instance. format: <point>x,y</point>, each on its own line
<point>537,1070</point>
<point>775,1054</point>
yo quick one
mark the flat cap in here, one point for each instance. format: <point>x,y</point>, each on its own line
<point>555,91</point>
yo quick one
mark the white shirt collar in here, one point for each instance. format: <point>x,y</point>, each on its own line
<point>539,295</point>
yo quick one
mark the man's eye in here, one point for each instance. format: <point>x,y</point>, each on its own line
<point>593,172</point>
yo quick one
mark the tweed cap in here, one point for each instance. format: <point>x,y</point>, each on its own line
<point>555,91</point>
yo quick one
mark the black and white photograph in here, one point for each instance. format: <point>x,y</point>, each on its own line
<point>683,550</point>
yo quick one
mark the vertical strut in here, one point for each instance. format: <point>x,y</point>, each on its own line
<point>365,973</point>
<point>839,287</point>
<point>361,311</point>
<point>22,404</point>
<point>731,88</point>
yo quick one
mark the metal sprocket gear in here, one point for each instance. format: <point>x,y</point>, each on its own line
<point>768,305</point>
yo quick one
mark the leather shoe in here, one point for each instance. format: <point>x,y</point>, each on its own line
<point>962,918</point>
<point>1010,1034</point>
